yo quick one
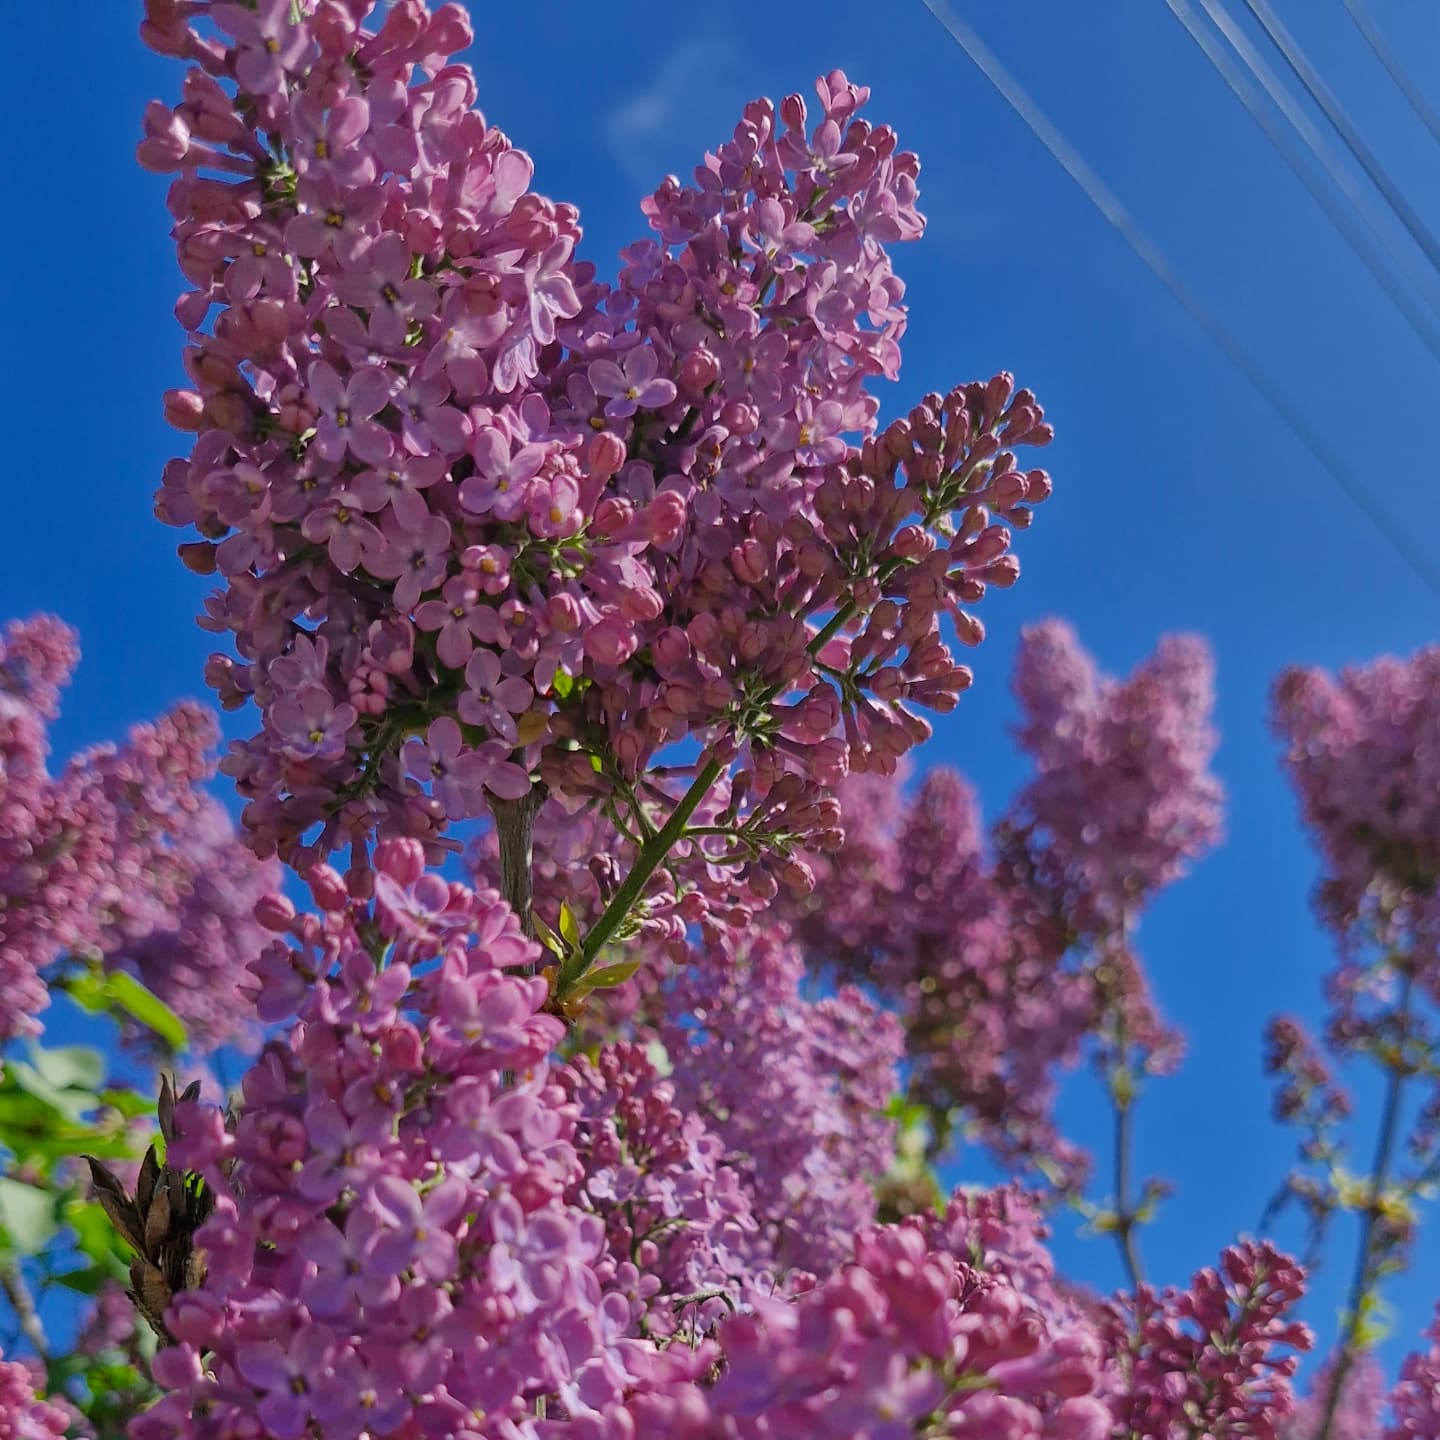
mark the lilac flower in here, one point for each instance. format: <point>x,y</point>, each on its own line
<point>457,616</point>
<point>501,480</point>
<point>381,284</point>
<point>340,526</point>
<point>346,409</point>
<point>400,1231</point>
<point>491,698</point>
<point>331,143</point>
<point>632,383</point>
<point>530,1254</point>
<point>551,297</point>
<point>285,1376</point>
<point>312,725</point>
<point>466,334</point>
<point>778,234</point>
<point>813,431</point>
<point>398,484</point>
<point>415,559</point>
<point>553,507</point>
<point>457,775</point>
<point>427,422</point>
<point>335,218</point>
<point>343,1149</point>
<point>269,42</point>
<point>356,1398</point>
<point>341,1283</point>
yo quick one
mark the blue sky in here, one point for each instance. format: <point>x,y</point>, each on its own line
<point>1181,502</point>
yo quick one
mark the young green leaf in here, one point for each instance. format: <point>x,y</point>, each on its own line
<point>28,1215</point>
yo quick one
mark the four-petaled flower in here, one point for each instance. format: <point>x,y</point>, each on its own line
<point>632,384</point>
<point>456,774</point>
<point>346,408</point>
<point>491,698</point>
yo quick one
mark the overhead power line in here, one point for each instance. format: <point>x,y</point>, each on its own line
<point>1111,207</point>
<point>1363,238</point>
<point>1331,108</point>
<point>1375,38</point>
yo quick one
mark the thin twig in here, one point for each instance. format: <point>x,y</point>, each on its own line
<point>1365,1260</point>
<point>22,1302</point>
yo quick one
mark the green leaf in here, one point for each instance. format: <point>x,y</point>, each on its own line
<point>562,684</point>
<point>70,1104</point>
<point>28,1215</point>
<point>129,1103</point>
<point>84,1282</point>
<point>608,978</point>
<point>569,929</point>
<point>548,938</point>
<point>109,993</point>
<point>70,1067</point>
<point>150,1010</point>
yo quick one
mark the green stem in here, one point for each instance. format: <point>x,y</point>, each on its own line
<point>1125,1219</point>
<point>646,863</point>
<point>1366,1261</point>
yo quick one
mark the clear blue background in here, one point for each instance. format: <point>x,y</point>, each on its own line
<point>1181,502</point>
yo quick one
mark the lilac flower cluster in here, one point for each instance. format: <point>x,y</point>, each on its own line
<point>1357,1413</point>
<point>678,1221</point>
<point>918,1333</point>
<point>794,1088</point>
<point>1361,752</point>
<point>482,518</point>
<point>1121,803</point>
<point>1415,1401</point>
<point>1123,799</point>
<point>912,905</point>
<point>119,856</point>
<point>1209,1360</point>
<point>392,1248</point>
<point>24,1413</point>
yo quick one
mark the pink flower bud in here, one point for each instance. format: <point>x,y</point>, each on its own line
<point>391,644</point>
<point>562,612</point>
<point>666,515</point>
<point>611,640</point>
<point>698,369</point>
<point>328,888</point>
<point>166,142</point>
<point>671,648</point>
<point>185,410</point>
<point>604,455</point>
<point>274,912</point>
<point>740,418</point>
<point>612,516</point>
<point>750,562</point>
<point>641,604</point>
<point>401,859</point>
<point>911,542</point>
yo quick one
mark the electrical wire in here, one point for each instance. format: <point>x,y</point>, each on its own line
<point>1375,38</point>
<point>1364,239</point>
<point>1105,200</point>
<point>1331,108</point>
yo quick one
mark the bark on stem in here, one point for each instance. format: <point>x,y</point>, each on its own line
<point>515,830</point>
